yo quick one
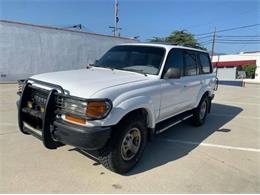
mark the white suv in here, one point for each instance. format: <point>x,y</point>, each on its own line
<point>118,104</point>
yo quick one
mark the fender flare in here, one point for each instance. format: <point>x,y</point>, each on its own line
<point>131,104</point>
<point>201,93</point>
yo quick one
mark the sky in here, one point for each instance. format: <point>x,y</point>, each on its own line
<point>145,18</point>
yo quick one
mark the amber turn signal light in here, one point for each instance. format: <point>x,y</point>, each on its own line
<point>96,109</point>
<point>75,119</point>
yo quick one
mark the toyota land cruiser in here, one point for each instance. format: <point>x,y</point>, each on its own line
<point>120,102</point>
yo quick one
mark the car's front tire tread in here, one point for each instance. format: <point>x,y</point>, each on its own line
<point>109,156</point>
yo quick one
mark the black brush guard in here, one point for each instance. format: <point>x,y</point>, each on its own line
<point>42,119</point>
<point>47,117</point>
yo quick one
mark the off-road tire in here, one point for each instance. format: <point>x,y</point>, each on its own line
<point>196,119</point>
<point>110,156</point>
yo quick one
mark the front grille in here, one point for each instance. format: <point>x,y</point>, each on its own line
<point>35,107</point>
<point>38,97</point>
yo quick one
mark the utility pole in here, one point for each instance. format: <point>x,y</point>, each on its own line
<point>213,44</point>
<point>115,28</point>
<point>116,16</point>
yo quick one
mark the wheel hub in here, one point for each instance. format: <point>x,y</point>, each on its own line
<point>203,109</point>
<point>131,144</point>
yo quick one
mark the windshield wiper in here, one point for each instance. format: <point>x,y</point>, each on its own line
<point>108,67</point>
<point>134,70</point>
<point>125,69</point>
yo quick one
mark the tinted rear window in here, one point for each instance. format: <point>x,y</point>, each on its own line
<point>191,63</point>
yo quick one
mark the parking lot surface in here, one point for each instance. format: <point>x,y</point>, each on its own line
<point>223,156</point>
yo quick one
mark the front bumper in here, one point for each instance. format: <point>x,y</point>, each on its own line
<point>91,138</point>
<point>54,131</point>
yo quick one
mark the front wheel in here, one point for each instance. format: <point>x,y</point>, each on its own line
<point>126,146</point>
<point>200,113</point>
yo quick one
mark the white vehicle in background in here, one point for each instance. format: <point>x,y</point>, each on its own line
<point>116,105</point>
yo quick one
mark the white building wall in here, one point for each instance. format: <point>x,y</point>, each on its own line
<point>241,57</point>
<point>26,50</point>
<point>226,73</point>
<point>236,57</point>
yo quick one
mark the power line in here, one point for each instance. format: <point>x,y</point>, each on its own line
<point>229,29</point>
<point>239,36</point>
<point>208,41</point>
<point>242,40</point>
<point>204,37</point>
<point>238,42</point>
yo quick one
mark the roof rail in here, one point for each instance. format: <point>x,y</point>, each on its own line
<point>163,43</point>
<point>173,43</point>
<point>192,46</point>
<point>184,45</point>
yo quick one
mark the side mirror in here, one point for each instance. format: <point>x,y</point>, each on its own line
<point>172,73</point>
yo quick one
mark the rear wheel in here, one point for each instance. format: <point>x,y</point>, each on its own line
<point>200,113</point>
<point>126,146</point>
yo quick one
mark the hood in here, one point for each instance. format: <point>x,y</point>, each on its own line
<point>87,82</point>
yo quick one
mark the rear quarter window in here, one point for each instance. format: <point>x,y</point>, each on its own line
<point>205,63</point>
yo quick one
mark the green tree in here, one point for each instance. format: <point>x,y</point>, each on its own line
<point>180,37</point>
<point>250,70</point>
<point>157,39</point>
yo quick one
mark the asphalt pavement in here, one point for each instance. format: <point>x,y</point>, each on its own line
<point>223,156</point>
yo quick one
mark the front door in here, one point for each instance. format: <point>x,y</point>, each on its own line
<point>174,91</point>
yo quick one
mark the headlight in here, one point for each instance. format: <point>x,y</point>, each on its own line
<point>75,106</point>
<point>89,109</point>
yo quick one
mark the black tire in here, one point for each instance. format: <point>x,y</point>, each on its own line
<point>197,118</point>
<point>111,155</point>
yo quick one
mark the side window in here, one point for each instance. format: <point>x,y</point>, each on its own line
<point>191,63</point>
<point>174,60</point>
<point>205,63</point>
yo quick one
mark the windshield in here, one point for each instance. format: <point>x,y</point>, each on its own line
<point>141,59</point>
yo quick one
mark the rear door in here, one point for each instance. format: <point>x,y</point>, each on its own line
<point>191,78</point>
